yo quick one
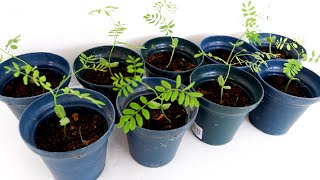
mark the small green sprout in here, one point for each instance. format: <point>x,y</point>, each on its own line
<point>160,17</point>
<point>135,114</point>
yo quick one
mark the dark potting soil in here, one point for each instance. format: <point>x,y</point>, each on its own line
<point>179,61</point>
<point>235,97</point>
<point>282,54</point>
<point>224,54</point>
<point>295,88</point>
<point>84,123</point>
<point>176,113</point>
<point>104,78</point>
<point>16,88</point>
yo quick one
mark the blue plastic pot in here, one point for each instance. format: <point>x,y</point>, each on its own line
<point>120,54</point>
<point>217,124</point>
<point>278,111</point>
<point>162,44</point>
<point>84,163</point>
<point>212,43</point>
<point>265,44</point>
<point>154,148</point>
<point>40,59</point>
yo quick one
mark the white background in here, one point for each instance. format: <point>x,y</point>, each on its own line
<point>65,28</point>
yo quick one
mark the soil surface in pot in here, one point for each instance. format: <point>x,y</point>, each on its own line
<point>176,113</point>
<point>179,61</point>
<point>224,54</point>
<point>16,88</point>
<point>86,126</point>
<point>282,54</point>
<point>295,88</point>
<point>104,78</point>
<point>235,97</point>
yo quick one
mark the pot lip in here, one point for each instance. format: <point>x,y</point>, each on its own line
<point>71,154</point>
<point>39,95</point>
<point>177,72</point>
<point>216,37</point>
<point>162,131</point>
<point>280,92</point>
<point>99,85</point>
<point>264,34</point>
<point>229,107</point>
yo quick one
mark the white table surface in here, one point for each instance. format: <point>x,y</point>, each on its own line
<point>65,28</point>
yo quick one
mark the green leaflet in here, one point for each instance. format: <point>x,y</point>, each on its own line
<point>146,114</point>
<point>59,110</point>
<point>178,81</point>
<point>135,106</point>
<point>143,100</point>
<point>64,121</point>
<point>139,120</point>
<point>165,84</point>
<point>165,106</point>
<point>154,105</point>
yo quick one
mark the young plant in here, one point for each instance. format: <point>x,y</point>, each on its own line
<point>134,64</point>
<point>31,74</point>
<point>291,69</point>
<point>118,29</point>
<point>234,57</point>
<point>293,66</point>
<point>164,94</point>
<point>160,18</point>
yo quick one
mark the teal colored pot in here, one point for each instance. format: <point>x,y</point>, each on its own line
<point>217,124</point>
<point>212,43</point>
<point>84,163</point>
<point>278,111</point>
<point>162,44</point>
<point>265,44</point>
<point>43,60</point>
<point>120,54</point>
<point>153,148</point>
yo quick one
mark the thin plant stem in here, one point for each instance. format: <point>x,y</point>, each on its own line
<point>12,56</point>
<point>65,130</point>
<point>172,53</point>
<point>114,43</point>
<point>225,80</point>
<point>287,86</point>
<point>81,136</point>
<point>270,44</point>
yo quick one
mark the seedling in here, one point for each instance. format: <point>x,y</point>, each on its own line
<point>134,63</point>
<point>235,58</point>
<point>293,66</point>
<point>118,29</point>
<point>164,94</point>
<point>161,18</point>
<point>31,73</point>
<point>291,69</point>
